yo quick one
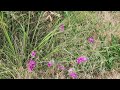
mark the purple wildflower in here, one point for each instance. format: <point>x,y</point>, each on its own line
<point>72,73</point>
<point>33,53</point>
<point>81,59</point>
<point>31,65</point>
<point>50,63</point>
<point>62,27</point>
<point>61,67</point>
<point>91,39</point>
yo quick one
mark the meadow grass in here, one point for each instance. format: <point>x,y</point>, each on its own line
<point>24,31</point>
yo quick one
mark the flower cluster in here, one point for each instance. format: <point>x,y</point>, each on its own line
<point>31,64</point>
<point>91,40</point>
<point>72,73</point>
<point>81,59</point>
<point>50,63</point>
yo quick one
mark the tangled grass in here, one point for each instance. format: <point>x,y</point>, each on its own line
<point>22,32</point>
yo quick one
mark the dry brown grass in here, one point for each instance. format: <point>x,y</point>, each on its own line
<point>109,75</point>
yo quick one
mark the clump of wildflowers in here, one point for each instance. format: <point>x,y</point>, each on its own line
<point>72,73</point>
<point>81,59</point>
<point>31,65</point>
<point>33,54</point>
<point>91,40</point>
<point>50,63</point>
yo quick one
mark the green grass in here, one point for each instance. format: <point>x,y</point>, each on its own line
<point>24,31</point>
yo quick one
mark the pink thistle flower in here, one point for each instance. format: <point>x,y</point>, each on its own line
<point>91,39</point>
<point>31,65</point>
<point>62,27</point>
<point>61,67</point>
<point>50,63</point>
<point>81,59</point>
<point>33,53</point>
<point>72,73</point>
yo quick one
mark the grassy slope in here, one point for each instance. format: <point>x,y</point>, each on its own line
<point>22,32</point>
